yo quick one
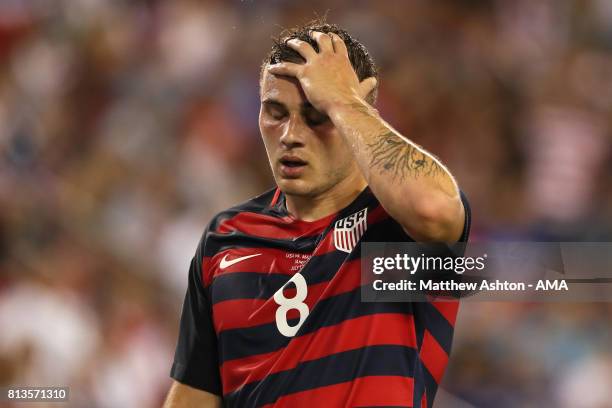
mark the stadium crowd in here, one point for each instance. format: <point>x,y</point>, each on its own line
<point>124,126</point>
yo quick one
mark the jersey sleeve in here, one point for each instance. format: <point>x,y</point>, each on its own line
<point>443,250</point>
<point>196,361</point>
<point>465,234</point>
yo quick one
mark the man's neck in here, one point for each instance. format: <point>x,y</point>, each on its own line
<point>329,202</point>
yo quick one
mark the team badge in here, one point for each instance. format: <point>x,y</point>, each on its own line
<point>349,230</point>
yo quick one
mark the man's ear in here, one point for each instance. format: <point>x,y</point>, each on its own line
<point>366,87</point>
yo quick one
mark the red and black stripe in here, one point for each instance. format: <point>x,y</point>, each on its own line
<point>347,366</point>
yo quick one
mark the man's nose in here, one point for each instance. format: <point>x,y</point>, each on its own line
<point>294,133</point>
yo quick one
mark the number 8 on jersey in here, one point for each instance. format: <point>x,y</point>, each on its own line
<point>296,302</point>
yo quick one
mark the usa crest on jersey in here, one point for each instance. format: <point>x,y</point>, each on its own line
<point>348,230</point>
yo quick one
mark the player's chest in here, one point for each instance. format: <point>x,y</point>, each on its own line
<point>255,285</point>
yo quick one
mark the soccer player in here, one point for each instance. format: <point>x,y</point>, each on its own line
<point>272,315</point>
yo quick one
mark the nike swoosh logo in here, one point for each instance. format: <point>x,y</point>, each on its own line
<point>225,263</point>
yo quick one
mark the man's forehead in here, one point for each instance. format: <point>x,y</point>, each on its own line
<point>281,89</point>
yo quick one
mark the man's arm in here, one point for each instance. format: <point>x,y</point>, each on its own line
<point>184,396</point>
<point>196,365</point>
<point>411,184</point>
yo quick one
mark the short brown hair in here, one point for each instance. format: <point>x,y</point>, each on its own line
<point>360,58</point>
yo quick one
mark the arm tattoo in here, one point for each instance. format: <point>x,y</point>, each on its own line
<point>393,154</point>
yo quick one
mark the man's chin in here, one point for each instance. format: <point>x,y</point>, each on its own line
<point>296,187</point>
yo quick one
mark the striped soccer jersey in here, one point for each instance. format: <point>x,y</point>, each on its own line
<point>273,317</point>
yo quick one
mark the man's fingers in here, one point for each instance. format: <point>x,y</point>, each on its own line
<point>366,86</point>
<point>323,40</point>
<point>285,68</point>
<point>339,45</point>
<point>303,48</point>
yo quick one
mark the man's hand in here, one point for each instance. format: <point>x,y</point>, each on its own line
<point>184,396</point>
<point>327,77</point>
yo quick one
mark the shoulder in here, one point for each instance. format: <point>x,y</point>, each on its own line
<point>258,206</point>
<point>220,232</point>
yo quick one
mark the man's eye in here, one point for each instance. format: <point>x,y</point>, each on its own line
<point>315,118</point>
<point>276,114</point>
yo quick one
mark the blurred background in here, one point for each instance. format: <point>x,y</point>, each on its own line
<point>125,125</point>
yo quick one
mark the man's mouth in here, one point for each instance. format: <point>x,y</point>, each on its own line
<point>292,162</point>
<point>291,166</point>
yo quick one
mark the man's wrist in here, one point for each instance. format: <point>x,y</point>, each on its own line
<point>347,106</point>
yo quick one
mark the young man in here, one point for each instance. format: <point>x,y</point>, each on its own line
<point>272,315</point>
